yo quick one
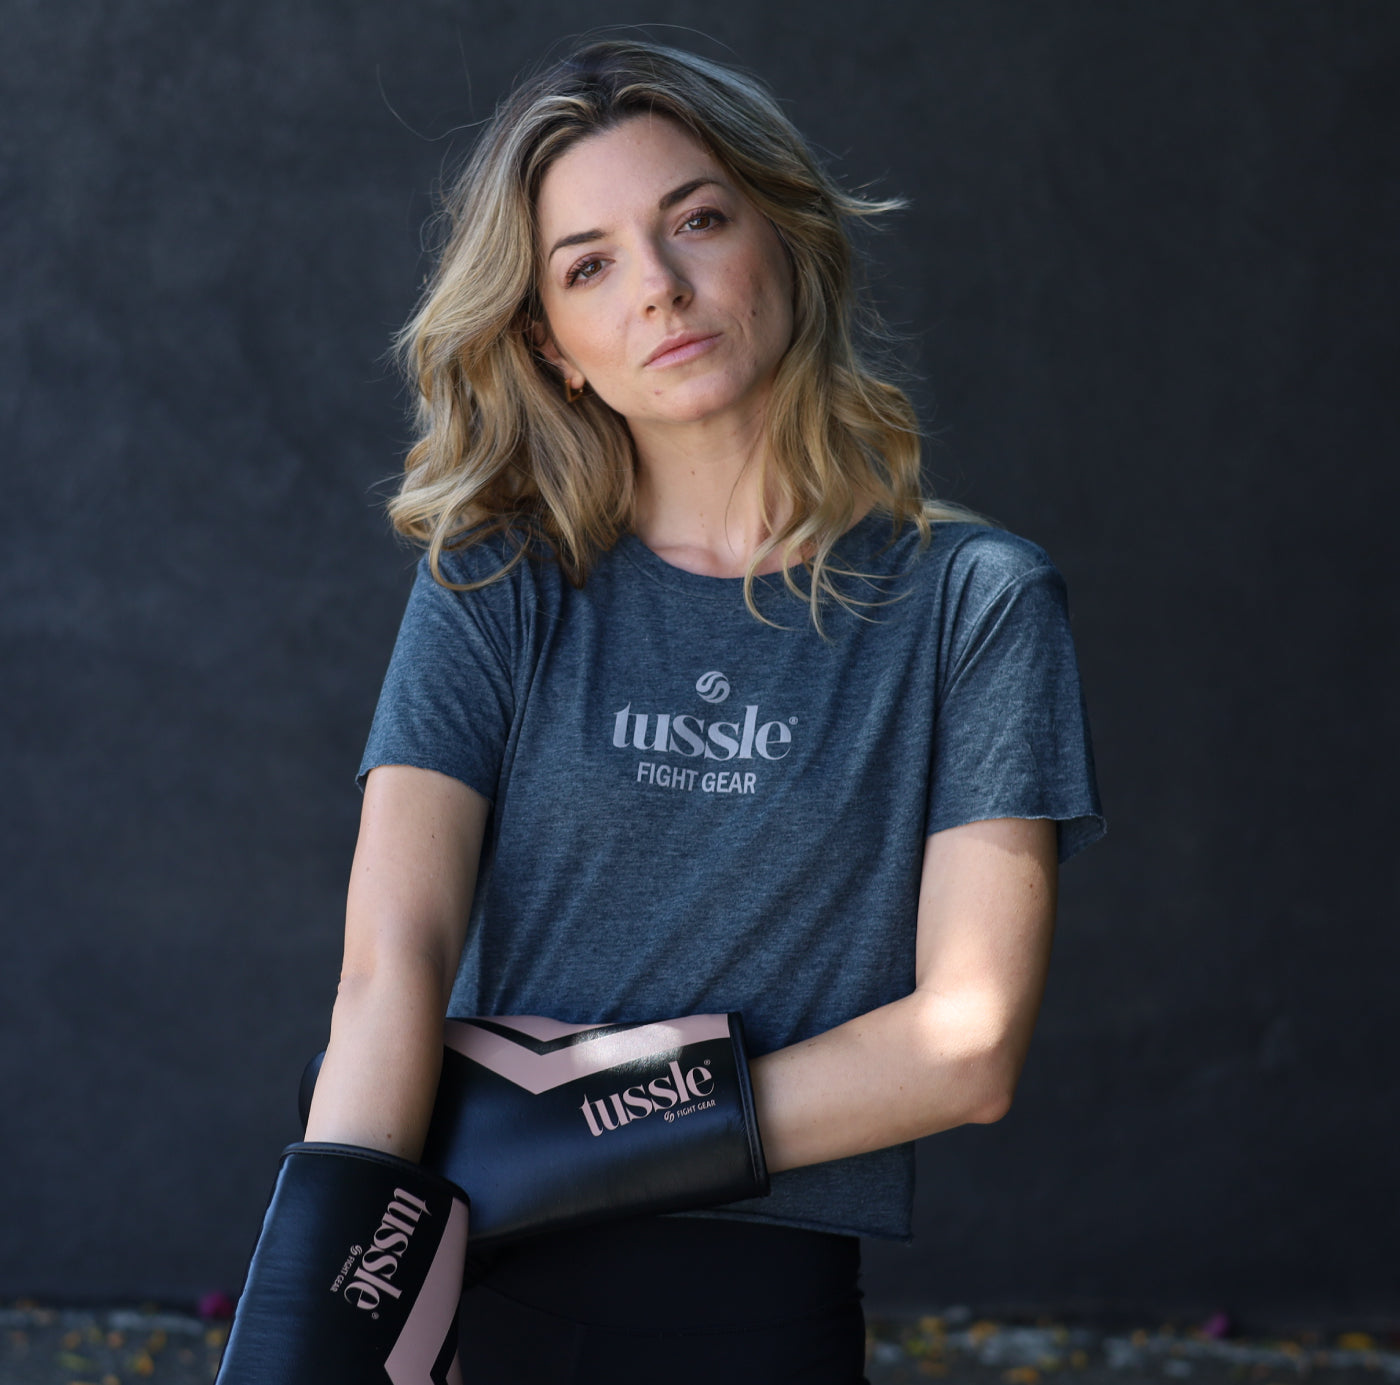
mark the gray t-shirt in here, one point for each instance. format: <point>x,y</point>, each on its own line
<point>693,811</point>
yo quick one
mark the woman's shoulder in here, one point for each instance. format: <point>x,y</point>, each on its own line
<point>485,588</point>
<point>960,553</point>
<point>985,554</point>
<point>503,563</point>
<point>967,574</point>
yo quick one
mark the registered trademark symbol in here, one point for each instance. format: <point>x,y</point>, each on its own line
<point>792,721</point>
<point>374,1315</point>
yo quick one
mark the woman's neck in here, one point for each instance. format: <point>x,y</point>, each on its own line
<point>698,503</point>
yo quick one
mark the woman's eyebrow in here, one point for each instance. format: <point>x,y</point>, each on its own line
<point>681,193</point>
<point>664,204</point>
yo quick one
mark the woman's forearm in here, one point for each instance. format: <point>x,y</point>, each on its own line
<point>410,889</point>
<point>911,1068</point>
<point>951,1051</point>
<point>383,1060</point>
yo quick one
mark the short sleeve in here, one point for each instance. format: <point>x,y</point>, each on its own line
<point>447,700</point>
<point>1011,735</point>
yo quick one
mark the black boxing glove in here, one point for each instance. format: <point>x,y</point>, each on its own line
<point>548,1125</point>
<point>355,1277</point>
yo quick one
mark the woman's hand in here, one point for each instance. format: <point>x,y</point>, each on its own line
<point>951,1051</point>
<point>406,917</point>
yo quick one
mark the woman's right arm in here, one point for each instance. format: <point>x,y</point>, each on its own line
<point>406,915</point>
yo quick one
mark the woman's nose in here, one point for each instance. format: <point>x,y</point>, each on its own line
<point>663,284</point>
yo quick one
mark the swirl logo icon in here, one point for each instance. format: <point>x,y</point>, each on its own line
<point>713,686</point>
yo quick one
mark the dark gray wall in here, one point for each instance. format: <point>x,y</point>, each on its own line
<point>1149,280</point>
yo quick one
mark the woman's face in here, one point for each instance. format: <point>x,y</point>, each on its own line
<point>664,288</point>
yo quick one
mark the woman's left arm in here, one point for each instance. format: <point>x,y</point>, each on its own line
<point>951,1051</point>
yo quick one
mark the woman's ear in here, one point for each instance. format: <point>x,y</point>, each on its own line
<point>543,343</point>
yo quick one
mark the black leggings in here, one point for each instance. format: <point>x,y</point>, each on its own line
<point>684,1300</point>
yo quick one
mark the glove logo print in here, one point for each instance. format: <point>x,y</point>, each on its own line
<point>661,1094</point>
<point>355,1253</point>
<point>380,1262</point>
<point>713,686</point>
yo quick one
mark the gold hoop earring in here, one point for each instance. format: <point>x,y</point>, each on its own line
<point>571,394</point>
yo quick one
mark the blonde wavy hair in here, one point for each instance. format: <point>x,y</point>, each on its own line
<point>499,451</point>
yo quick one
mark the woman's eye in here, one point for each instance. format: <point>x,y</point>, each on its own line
<point>584,269</point>
<point>703,220</point>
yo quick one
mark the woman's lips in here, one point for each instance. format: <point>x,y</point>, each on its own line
<point>678,350</point>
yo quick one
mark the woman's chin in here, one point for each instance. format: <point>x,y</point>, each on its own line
<point>702,407</point>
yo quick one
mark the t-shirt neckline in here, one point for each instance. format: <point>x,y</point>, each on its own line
<point>856,540</point>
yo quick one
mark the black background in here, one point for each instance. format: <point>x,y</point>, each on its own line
<point>1148,286</point>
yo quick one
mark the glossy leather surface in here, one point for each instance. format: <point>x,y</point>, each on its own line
<point>355,1277</point>
<point>601,1140</point>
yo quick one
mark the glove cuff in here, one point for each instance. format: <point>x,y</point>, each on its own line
<point>356,1274</point>
<point>553,1125</point>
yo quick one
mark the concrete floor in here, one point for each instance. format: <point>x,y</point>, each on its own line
<point>986,1352</point>
<point>48,1346</point>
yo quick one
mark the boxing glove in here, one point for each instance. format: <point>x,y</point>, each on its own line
<point>548,1125</point>
<point>355,1277</point>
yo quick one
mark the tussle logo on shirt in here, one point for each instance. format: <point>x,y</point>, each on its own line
<point>713,687</point>
<point>699,737</point>
<point>693,736</point>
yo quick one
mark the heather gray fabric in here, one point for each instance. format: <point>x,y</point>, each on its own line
<point>694,811</point>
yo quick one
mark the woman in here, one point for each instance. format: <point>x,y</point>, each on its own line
<point>656,476</point>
